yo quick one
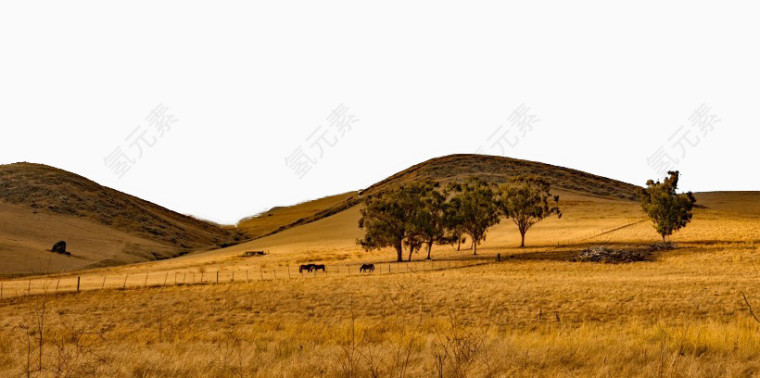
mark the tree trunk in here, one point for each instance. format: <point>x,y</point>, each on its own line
<point>399,252</point>
<point>430,248</point>
<point>522,242</point>
<point>474,248</point>
<point>411,250</point>
<point>459,244</point>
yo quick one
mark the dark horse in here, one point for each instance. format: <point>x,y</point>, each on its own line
<point>367,268</point>
<point>307,268</point>
<point>320,267</point>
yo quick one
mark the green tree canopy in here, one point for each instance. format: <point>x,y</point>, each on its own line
<point>396,218</point>
<point>668,210</point>
<point>473,208</point>
<point>527,200</point>
<point>429,224</point>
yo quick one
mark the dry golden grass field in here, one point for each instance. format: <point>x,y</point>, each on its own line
<point>535,313</point>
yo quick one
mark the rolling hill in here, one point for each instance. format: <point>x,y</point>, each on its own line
<point>444,169</point>
<point>279,218</point>
<point>40,205</point>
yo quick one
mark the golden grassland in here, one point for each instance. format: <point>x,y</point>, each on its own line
<point>534,313</point>
<point>277,217</point>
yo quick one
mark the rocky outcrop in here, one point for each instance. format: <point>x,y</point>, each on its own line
<point>60,247</point>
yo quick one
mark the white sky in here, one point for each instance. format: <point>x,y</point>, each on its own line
<point>249,83</point>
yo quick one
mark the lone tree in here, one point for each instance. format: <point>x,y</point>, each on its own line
<point>668,210</point>
<point>526,201</point>
<point>473,208</point>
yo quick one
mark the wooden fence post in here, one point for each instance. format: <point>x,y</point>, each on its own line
<point>146,280</point>
<point>288,267</point>
<point>103,286</point>
<point>125,281</point>
<point>274,272</point>
<point>247,279</point>
<point>78,281</point>
<point>201,276</point>
<point>217,276</point>
<point>166,278</point>
<point>261,274</point>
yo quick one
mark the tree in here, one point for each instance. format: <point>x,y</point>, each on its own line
<point>473,208</point>
<point>668,210</point>
<point>414,243</point>
<point>526,201</point>
<point>429,224</point>
<point>394,218</point>
<point>384,221</point>
<point>457,236</point>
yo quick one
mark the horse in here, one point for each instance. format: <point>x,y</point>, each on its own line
<point>367,268</point>
<point>319,267</point>
<point>308,268</point>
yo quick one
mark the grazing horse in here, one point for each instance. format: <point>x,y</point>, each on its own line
<point>308,268</point>
<point>320,267</point>
<point>367,268</point>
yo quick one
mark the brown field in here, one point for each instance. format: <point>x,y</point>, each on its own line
<point>534,313</point>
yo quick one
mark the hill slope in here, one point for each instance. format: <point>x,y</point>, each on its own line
<point>447,169</point>
<point>40,205</point>
<point>277,217</point>
<point>499,169</point>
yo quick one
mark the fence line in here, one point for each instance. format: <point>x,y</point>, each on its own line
<point>88,282</point>
<point>92,282</point>
<point>598,232</point>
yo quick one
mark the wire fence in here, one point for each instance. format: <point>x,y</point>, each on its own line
<point>246,273</point>
<point>599,232</point>
<point>221,275</point>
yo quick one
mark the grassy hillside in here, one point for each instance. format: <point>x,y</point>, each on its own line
<point>277,218</point>
<point>500,169</point>
<point>535,313</point>
<point>445,169</point>
<point>40,205</point>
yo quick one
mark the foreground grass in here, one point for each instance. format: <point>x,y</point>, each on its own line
<point>682,315</point>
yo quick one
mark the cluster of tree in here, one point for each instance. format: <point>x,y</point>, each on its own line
<point>423,214</point>
<point>669,211</point>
